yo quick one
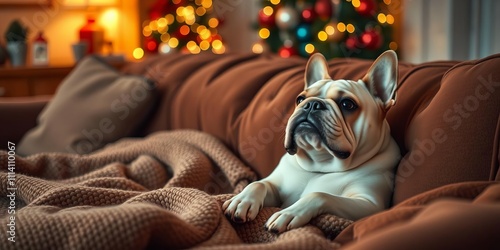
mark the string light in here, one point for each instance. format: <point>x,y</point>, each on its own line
<point>322,36</point>
<point>275,2</point>
<point>381,18</point>
<point>213,22</point>
<point>330,30</point>
<point>309,48</point>
<point>185,20</point>
<point>341,27</point>
<point>350,28</point>
<point>138,53</point>
<point>264,33</point>
<point>173,42</point>
<point>257,48</point>
<point>268,10</point>
<point>393,45</point>
<point>390,19</point>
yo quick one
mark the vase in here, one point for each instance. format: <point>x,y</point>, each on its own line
<point>17,53</point>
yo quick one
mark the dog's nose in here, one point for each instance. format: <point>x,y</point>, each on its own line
<point>315,105</point>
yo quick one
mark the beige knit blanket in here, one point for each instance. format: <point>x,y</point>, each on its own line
<point>162,191</point>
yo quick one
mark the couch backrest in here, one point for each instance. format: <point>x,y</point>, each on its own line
<point>245,100</point>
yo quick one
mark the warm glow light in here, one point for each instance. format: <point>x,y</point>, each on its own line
<point>213,22</point>
<point>180,11</point>
<point>206,3</point>
<point>220,50</point>
<point>390,19</point>
<point>170,19</point>
<point>268,10</point>
<point>322,36</point>
<point>138,53</point>
<point>393,45</point>
<point>176,1</point>
<point>356,3</point>
<point>198,2</point>
<point>330,30</point>
<point>341,27</point>
<point>165,37</point>
<point>200,11</point>
<point>387,2</point>
<point>350,28</point>
<point>191,45</point>
<point>109,17</point>
<point>264,33</point>
<point>200,29</point>
<point>153,25</point>
<point>173,42</point>
<point>275,2</point>
<point>184,30</point>
<point>381,18</point>
<point>309,48</point>
<point>205,34</point>
<point>162,22</point>
<point>257,48</point>
<point>204,45</point>
<point>217,44</point>
<point>146,31</point>
<point>180,19</point>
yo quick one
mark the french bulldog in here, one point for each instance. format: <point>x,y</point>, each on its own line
<point>340,154</point>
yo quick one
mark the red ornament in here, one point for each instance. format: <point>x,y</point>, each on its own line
<point>151,45</point>
<point>371,39</point>
<point>308,15</point>
<point>156,10</point>
<point>352,42</point>
<point>324,9</point>
<point>265,20</point>
<point>367,7</point>
<point>287,52</point>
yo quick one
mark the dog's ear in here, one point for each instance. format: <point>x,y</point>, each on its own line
<point>382,78</point>
<point>316,69</point>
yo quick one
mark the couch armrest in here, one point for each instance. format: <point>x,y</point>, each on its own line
<point>19,114</point>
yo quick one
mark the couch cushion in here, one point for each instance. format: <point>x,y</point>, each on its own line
<point>449,123</point>
<point>93,106</point>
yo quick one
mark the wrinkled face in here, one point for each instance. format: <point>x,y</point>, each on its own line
<point>331,119</point>
<point>338,125</point>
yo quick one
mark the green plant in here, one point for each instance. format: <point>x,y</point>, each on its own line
<point>16,32</point>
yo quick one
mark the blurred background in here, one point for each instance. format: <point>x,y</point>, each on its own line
<point>419,30</point>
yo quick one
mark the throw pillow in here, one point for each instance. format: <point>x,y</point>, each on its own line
<point>93,106</point>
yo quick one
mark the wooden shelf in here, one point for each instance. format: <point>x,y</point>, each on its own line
<point>31,80</point>
<point>35,80</point>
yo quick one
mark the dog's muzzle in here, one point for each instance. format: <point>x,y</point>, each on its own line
<point>309,120</point>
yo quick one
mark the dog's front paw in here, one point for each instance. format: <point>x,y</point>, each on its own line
<point>297,215</point>
<point>246,205</point>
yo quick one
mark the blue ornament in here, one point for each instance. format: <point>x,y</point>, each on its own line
<point>303,32</point>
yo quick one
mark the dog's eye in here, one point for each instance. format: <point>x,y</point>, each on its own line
<point>348,105</point>
<point>300,99</point>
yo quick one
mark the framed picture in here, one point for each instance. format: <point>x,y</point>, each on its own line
<point>24,3</point>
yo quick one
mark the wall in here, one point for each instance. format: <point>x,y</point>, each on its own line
<point>61,24</point>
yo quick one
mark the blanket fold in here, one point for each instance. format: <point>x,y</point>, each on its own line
<point>162,191</point>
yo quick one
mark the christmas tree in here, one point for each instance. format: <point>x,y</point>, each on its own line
<point>335,28</point>
<point>184,25</point>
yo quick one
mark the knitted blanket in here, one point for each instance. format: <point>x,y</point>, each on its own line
<point>162,191</point>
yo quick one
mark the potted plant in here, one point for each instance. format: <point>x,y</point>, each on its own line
<point>16,43</point>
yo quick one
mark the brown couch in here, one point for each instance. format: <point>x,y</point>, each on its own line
<point>446,122</point>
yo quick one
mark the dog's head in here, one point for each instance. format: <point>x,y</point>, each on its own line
<point>339,124</point>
